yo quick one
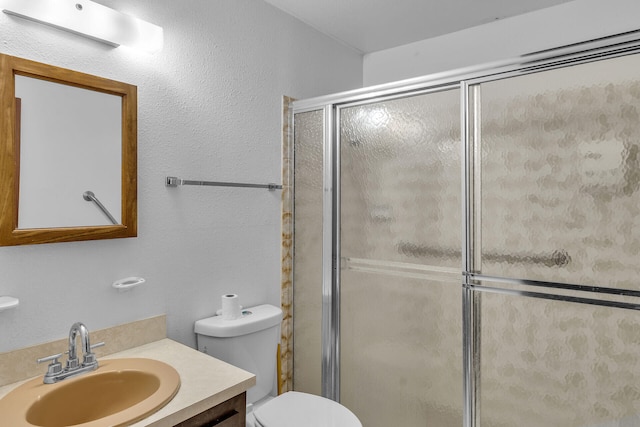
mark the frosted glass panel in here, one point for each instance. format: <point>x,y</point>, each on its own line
<point>401,351</point>
<point>558,364</point>
<point>400,227</point>
<point>400,180</point>
<point>561,173</point>
<point>307,274</point>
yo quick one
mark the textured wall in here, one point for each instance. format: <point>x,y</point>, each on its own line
<point>568,23</point>
<point>209,108</point>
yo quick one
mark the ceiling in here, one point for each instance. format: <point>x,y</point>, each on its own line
<point>372,25</point>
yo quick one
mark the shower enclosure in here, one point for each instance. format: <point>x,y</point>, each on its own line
<point>467,245</point>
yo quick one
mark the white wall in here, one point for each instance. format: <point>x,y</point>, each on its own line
<point>556,26</point>
<point>209,108</point>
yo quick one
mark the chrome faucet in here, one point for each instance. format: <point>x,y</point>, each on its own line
<point>89,358</point>
<point>73,367</point>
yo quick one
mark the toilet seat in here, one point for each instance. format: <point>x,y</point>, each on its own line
<point>295,409</point>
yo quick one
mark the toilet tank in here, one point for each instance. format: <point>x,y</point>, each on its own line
<point>249,342</point>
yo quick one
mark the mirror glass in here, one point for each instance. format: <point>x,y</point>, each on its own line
<point>86,126</point>
<point>68,155</point>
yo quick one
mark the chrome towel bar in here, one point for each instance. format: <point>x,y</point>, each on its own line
<point>172,181</point>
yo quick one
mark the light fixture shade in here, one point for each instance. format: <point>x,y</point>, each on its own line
<point>91,20</point>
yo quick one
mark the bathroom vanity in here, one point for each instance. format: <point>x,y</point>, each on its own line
<point>210,389</point>
<point>212,393</point>
<point>231,413</point>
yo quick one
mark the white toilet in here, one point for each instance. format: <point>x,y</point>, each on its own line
<point>250,342</point>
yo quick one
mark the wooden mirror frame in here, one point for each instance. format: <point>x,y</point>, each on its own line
<point>10,234</point>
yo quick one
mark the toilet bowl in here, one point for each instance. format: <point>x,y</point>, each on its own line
<point>295,409</point>
<point>250,342</point>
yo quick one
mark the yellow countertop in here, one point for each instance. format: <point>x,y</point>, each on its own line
<point>205,381</point>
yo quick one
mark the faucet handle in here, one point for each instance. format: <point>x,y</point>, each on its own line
<point>54,367</point>
<point>89,359</point>
<point>53,357</point>
<point>96,345</point>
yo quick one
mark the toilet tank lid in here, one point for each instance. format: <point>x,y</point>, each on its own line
<point>253,319</point>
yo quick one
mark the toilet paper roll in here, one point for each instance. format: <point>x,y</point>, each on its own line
<point>230,307</point>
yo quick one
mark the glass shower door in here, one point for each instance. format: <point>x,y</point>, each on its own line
<point>559,245</point>
<point>540,316</point>
<point>400,260</point>
<point>307,274</point>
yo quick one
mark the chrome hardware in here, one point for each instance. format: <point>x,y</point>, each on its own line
<point>172,181</point>
<point>90,358</point>
<point>89,196</point>
<point>73,367</point>
<point>54,367</point>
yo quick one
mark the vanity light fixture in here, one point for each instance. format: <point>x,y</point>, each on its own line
<point>89,19</point>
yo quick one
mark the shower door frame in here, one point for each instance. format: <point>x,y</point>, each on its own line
<point>466,79</point>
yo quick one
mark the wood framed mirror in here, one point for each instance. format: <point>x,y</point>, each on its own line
<point>68,155</point>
